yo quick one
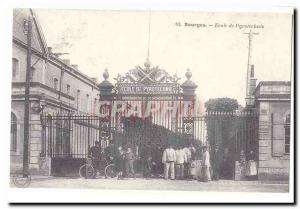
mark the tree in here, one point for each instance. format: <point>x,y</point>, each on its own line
<point>221,105</point>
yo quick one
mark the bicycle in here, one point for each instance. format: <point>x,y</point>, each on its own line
<point>88,171</point>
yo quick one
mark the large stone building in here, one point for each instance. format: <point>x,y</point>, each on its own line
<point>271,101</point>
<point>56,86</point>
<point>273,106</point>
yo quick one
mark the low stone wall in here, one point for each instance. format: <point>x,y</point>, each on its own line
<point>271,174</point>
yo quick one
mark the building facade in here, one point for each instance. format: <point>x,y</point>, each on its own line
<point>56,87</point>
<point>271,102</point>
<point>273,106</point>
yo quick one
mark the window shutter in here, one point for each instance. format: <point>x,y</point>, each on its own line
<point>277,134</point>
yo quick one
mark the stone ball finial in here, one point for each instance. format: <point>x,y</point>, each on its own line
<point>105,74</point>
<point>188,74</point>
<point>147,64</point>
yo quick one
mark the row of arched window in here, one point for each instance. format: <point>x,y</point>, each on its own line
<point>16,70</point>
<point>78,97</point>
<point>15,73</point>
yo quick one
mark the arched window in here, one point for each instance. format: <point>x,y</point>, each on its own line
<point>287,133</point>
<point>13,132</point>
<point>94,106</point>
<point>15,67</point>
<point>55,83</point>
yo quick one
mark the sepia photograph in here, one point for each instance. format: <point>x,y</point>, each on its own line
<point>152,101</point>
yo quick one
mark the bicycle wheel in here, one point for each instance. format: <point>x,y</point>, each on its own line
<point>20,181</point>
<point>110,171</point>
<point>86,171</point>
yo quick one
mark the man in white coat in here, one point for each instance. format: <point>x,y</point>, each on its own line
<point>168,159</point>
<point>190,155</point>
<point>205,165</point>
<point>181,158</point>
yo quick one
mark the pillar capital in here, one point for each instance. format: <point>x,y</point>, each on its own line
<point>188,86</point>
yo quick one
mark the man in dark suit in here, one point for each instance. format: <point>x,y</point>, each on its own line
<point>216,162</point>
<point>95,154</point>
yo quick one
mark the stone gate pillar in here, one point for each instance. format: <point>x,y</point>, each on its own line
<point>105,107</point>
<point>188,97</point>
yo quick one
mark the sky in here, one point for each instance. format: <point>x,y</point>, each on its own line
<point>217,56</point>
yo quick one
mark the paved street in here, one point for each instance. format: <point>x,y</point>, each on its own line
<point>159,184</point>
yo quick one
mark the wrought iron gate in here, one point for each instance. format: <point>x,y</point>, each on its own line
<point>150,98</point>
<point>235,131</point>
<point>69,136</point>
<point>146,105</point>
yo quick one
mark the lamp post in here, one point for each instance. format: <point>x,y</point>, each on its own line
<point>27,31</point>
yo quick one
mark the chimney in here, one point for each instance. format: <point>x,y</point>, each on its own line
<point>250,99</point>
<point>66,61</point>
<point>75,67</point>
<point>252,81</point>
<point>252,71</point>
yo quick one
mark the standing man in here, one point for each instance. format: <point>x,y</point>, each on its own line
<point>251,171</point>
<point>188,156</point>
<point>181,158</point>
<point>119,162</point>
<point>129,160</point>
<point>95,154</point>
<point>243,164</point>
<point>227,165</point>
<point>216,162</point>
<point>192,151</point>
<point>205,165</point>
<point>146,156</point>
<point>157,164</point>
<point>169,158</point>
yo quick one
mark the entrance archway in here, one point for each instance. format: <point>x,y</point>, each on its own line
<point>147,104</point>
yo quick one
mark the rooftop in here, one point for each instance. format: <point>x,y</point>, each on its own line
<point>273,89</point>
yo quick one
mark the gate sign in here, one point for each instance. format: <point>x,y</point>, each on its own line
<point>147,89</point>
<point>148,80</point>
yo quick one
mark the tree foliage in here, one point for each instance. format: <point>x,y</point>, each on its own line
<point>221,105</point>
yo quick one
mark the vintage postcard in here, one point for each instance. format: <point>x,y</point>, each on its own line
<point>194,102</point>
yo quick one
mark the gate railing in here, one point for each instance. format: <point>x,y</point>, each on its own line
<point>71,136</point>
<point>235,130</point>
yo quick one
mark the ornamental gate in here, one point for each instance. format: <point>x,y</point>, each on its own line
<point>147,104</point>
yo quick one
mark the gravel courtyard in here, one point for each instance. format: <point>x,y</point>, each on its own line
<point>160,184</point>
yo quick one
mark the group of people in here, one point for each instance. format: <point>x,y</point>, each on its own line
<point>180,162</point>
<point>124,162</point>
<point>224,164</point>
<point>177,161</point>
<point>146,158</point>
<point>248,165</point>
